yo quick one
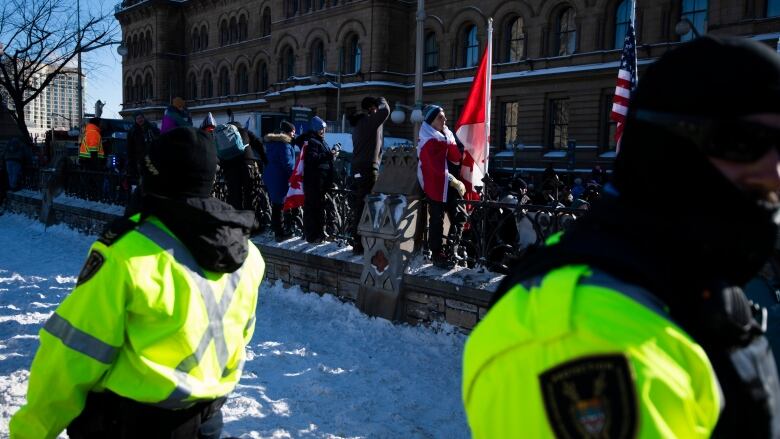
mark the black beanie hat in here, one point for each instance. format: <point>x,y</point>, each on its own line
<point>286,127</point>
<point>431,113</point>
<point>368,102</point>
<point>181,163</point>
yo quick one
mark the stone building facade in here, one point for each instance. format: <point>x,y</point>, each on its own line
<point>554,63</point>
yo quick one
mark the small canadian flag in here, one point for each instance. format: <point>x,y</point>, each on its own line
<point>294,198</point>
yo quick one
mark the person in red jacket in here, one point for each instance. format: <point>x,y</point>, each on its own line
<point>436,151</point>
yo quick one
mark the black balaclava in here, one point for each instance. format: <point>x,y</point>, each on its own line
<point>714,230</point>
<point>180,163</point>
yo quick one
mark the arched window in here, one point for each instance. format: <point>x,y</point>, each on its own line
<point>566,35</point>
<point>307,5</point>
<point>204,38</point>
<point>139,88</point>
<point>242,80</point>
<point>262,77</point>
<point>223,82</point>
<point>148,42</point>
<point>288,63</point>
<point>148,87</point>
<point>318,57</point>
<point>224,33</point>
<point>515,40</point>
<point>622,20</point>
<point>354,55</point>
<point>267,22</point>
<point>292,7</point>
<point>242,28</point>
<point>129,90</point>
<point>431,52</point>
<point>192,87</point>
<point>195,40</point>
<point>135,46</point>
<point>773,8</point>
<point>233,30</point>
<point>470,46</point>
<point>696,12</point>
<point>207,87</point>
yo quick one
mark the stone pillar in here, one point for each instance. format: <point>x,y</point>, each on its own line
<point>387,228</point>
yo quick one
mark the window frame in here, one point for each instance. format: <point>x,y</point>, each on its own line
<point>621,27</point>
<point>554,122</point>
<point>505,126</point>
<point>430,52</point>
<point>569,34</point>
<point>470,46</point>
<point>509,40</point>
<point>694,15</point>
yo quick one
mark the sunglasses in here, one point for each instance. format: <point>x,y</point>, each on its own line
<point>735,140</point>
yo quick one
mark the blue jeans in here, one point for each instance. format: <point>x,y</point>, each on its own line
<point>14,169</point>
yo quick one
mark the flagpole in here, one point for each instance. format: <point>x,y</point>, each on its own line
<point>488,90</point>
<point>633,24</point>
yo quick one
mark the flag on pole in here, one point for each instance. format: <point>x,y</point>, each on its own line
<point>294,198</point>
<point>473,127</point>
<point>626,83</point>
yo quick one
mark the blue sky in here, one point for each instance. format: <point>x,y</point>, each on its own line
<point>105,81</point>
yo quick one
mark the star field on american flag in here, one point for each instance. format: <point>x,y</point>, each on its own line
<point>626,82</point>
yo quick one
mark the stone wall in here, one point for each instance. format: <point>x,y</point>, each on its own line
<point>459,297</point>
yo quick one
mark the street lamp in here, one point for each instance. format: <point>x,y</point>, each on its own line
<point>398,115</point>
<point>684,26</point>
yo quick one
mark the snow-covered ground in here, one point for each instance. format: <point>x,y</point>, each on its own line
<point>316,367</point>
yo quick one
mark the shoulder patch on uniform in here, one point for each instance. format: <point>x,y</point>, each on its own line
<point>591,397</point>
<point>94,261</point>
<point>116,229</point>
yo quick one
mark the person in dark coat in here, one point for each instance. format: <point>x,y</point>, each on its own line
<point>14,159</point>
<point>281,160</point>
<point>367,140</point>
<point>318,168</point>
<point>140,136</point>
<point>242,174</point>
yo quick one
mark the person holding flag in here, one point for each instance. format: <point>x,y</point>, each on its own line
<point>437,149</point>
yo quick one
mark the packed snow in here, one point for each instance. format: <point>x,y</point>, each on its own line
<point>316,367</point>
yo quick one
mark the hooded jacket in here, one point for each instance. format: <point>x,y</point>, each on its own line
<point>435,152</point>
<point>368,138</point>
<point>281,160</point>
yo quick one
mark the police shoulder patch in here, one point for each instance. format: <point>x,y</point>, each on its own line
<point>116,229</point>
<point>91,266</point>
<point>591,397</point>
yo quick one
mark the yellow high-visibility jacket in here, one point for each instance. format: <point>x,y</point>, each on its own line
<point>578,353</point>
<point>145,322</point>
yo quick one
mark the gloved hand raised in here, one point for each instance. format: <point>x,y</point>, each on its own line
<point>457,185</point>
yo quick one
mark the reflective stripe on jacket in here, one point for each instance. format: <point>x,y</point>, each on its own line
<point>576,314</point>
<point>149,325</point>
<point>91,142</point>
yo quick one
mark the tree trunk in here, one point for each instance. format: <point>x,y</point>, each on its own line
<point>18,115</point>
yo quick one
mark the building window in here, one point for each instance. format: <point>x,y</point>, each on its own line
<point>431,52</point>
<point>262,77</point>
<point>148,88</point>
<point>318,57</point>
<point>610,126</point>
<point>566,35</point>
<point>509,124</point>
<point>288,63</point>
<point>696,12</point>
<point>207,88</point>
<point>204,38</point>
<point>559,123</point>
<point>195,40</point>
<point>622,20</point>
<point>292,8</point>
<point>148,42</point>
<point>773,8</point>
<point>470,46</point>
<point>242,80</point>
<point>224,33</point>
<point>242,28</point>
<point>307,5</point>
<point>354,55</point>
<point>515,40</point>
<point>129,90</point>
<point>139,89</point>
<point>192,87</point>
<point>223,82</point>
<point>267,22</point>
<point>233,30</point>
<point>135,46</point>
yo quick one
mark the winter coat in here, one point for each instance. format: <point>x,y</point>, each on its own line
<point>175,118</point>
<point>256,150</point>
<point>318,164</point>
<point>368,137</point>
<point>281,160</point>
<point>138,140</point>
<point>434,150</point>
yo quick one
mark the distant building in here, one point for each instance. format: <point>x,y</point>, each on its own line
<point>554,64</point>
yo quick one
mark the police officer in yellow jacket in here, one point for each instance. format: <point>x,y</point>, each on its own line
<point>152,338</point>
<point>634,324</point>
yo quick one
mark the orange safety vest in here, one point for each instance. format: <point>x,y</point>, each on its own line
<point>91,142</point>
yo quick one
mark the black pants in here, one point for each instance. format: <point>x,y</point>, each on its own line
<point>313,207</point>
<point>239,178</point>
<point>457,215</point>
<point>108,415</point>
<point>280,220</point>
<point>362,186</point>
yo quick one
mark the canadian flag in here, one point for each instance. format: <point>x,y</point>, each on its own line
<point>473,127</point>
<point>294,198</point>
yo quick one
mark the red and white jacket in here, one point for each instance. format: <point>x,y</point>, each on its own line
<point>433,151</point>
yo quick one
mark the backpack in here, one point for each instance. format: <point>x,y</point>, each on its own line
<point>229,142</point>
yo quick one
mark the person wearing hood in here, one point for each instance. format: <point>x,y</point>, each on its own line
<point>318,169</point>
<point>176,115</point>
<point>437,151</point>
<point>634,323</point>
<point>281,160</point>
<point>128,353</point>
<point>139,138</point>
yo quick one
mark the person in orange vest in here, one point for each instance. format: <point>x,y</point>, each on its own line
<point>91,147</point>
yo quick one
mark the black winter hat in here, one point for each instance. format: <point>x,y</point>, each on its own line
<point>286,127</point>
<point>369,102</point>
<point>181,163</point>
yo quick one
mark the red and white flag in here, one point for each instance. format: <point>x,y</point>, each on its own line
<point>473,127</point>
<point>294,198</point>
<point>626,83</point>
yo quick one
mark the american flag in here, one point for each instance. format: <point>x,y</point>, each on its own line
<point>626,82</point>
